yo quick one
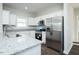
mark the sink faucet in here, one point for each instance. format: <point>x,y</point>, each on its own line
<point>5,31</point>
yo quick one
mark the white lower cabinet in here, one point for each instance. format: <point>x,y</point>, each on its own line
<point>32,34</point>
<point>36,50</point>
<point>44,37</point>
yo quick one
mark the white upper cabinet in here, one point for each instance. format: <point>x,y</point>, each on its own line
<point>31,21</point>
<point>36,21</point>
<point>5,15</point>
<point>13,19</point>
<point>8,18</point>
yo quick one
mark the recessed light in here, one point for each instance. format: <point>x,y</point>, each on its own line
<point>26,8</point>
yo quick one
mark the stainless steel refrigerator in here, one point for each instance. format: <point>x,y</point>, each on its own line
<point>55,33</point>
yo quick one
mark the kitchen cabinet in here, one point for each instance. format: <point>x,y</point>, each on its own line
<point>44,37</point>
<point>32,34</point>
<point>36,20</point>
<point>13,19</point>
<point>33,21</point>
<point>48,21</point>
<point>5,16</point>
<point>22,45</point>
<point>8,18</point>
<point>36,50</point>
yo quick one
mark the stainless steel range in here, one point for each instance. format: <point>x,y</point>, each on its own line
<point>39,29</point>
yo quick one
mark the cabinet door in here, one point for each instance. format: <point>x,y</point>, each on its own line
<point>48,21</point>
<point>30,21</point>
<point>6,15</point>
<point>36,20</point>
<point>44,37</point>
<point>33,21</point>
<point>32,34</point>
<point>36,50</point>
<point>13,19</point>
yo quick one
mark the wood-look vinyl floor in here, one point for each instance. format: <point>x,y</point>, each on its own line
<point>74,50</point>
<point>47,51</point>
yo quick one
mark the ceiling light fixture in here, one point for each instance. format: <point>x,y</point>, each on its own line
<point>26,8</point>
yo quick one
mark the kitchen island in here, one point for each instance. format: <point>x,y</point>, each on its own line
<point>24,45</point>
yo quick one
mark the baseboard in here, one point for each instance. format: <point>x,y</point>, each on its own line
<point>75,44</point>
<point>67,51</point>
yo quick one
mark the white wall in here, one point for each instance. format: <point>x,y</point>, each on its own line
<point>76,10</point>
<point>68,27</point>
<point>1,28</point>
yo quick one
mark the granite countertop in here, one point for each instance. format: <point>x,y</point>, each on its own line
<point>12,45</point>
<point>13,29</point>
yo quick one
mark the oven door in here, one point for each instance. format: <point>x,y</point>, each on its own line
<point>38,36</point>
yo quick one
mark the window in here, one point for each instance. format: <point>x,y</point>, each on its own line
<point>21,22</point>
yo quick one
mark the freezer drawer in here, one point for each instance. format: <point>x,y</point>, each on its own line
<point>55,40</point>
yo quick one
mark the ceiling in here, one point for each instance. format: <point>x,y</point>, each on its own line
<point>32,7</point>
<point>75,5</point>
